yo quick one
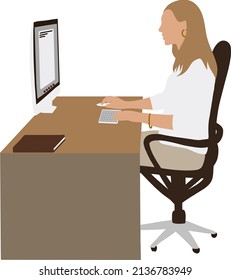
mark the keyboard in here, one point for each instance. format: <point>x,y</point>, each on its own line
<point>107,116</point>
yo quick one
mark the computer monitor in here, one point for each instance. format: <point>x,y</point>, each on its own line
<point>46,65</point>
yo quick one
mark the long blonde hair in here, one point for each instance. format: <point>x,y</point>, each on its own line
<point>196,44</point>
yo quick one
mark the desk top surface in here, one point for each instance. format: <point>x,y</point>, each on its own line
<point>77,118</point>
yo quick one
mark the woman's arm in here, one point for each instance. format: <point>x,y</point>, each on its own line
<point>118,103</point>
<point>158,120</point>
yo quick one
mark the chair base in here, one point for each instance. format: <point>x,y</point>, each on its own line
<point>182,229</point>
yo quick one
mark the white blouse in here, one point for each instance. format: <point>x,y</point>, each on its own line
<point>188,98</point>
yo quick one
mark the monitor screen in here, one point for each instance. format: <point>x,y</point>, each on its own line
<point>46,58</point>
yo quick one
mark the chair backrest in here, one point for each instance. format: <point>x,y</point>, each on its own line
<point>221,53</point>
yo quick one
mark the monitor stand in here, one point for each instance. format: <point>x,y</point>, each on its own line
<point>44,107</point>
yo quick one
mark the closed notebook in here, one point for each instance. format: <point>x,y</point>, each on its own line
<point>39,143</point>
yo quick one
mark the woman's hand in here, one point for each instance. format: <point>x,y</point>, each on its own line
<point>128,116</point>
<point>114,102</point>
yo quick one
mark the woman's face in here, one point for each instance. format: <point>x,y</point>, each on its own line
<point>171,29</point>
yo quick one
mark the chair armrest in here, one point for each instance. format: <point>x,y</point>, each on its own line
<point>219,132</point>
<point>177,140</point>
<point>203,143</point>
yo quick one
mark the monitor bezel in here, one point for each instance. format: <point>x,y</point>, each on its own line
<point>56,84</point>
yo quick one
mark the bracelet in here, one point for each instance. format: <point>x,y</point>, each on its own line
<point>149,118</point>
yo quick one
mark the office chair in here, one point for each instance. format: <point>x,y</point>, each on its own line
<point>179,185</point>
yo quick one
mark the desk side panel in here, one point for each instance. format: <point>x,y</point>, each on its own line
<point>65,206</point>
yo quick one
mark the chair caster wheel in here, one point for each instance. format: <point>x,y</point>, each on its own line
<point>154,248</point>
<point>197,250</point>
<point>214,235</point>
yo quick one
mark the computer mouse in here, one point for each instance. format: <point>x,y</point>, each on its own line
<point>103,104</point>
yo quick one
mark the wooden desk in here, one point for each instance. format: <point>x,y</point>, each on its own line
<point>81,202</point>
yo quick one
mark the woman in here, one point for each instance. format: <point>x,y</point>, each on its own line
<point>187,98</point>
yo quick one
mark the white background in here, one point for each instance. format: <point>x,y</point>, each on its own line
<point>113,47</point>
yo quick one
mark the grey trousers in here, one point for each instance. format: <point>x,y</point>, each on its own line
<point>170,157</point>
